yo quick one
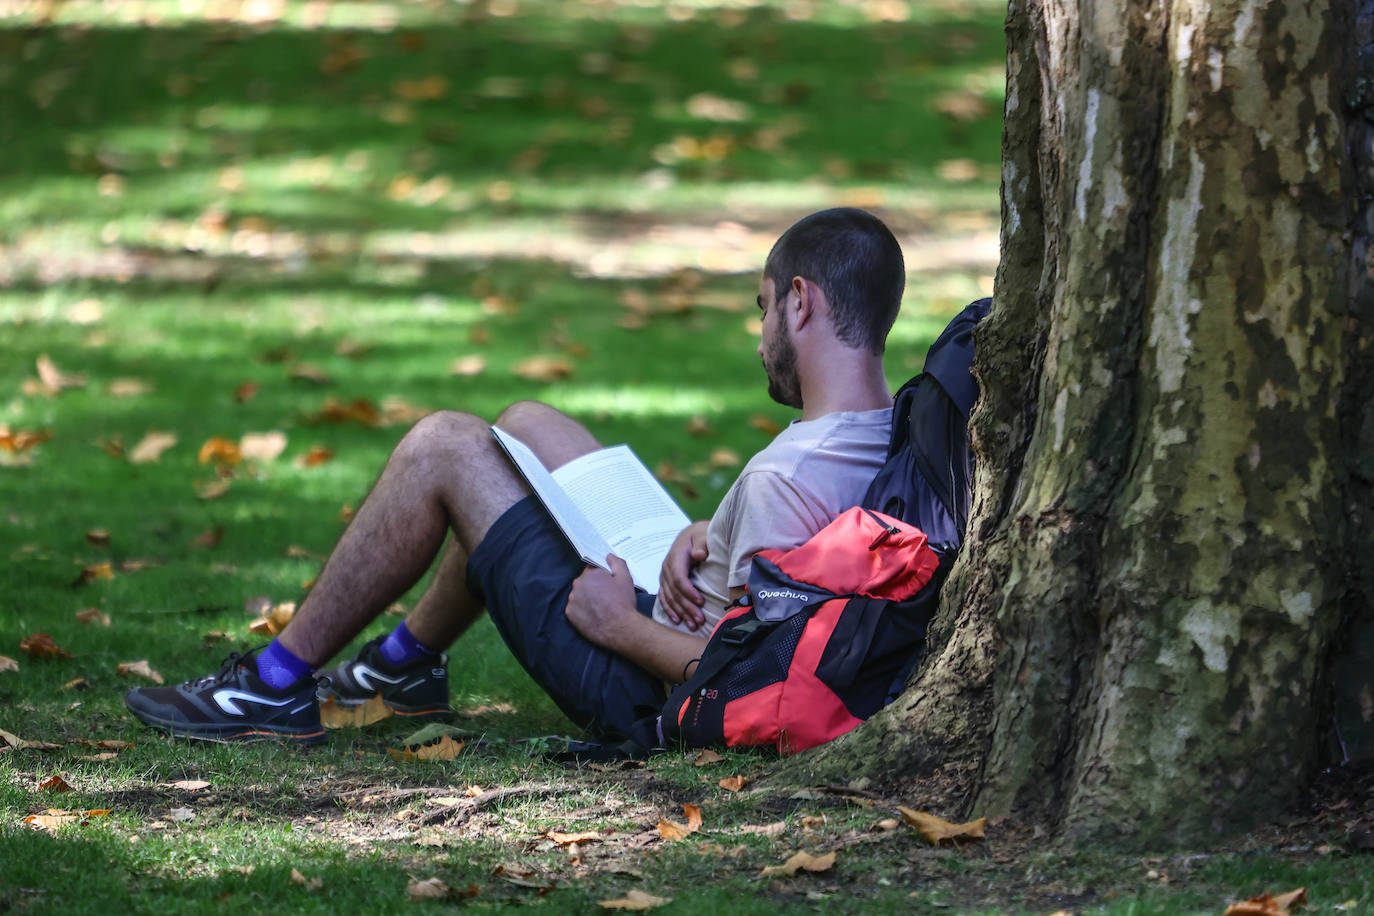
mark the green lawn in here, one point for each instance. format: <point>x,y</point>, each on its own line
<point>221,218</point>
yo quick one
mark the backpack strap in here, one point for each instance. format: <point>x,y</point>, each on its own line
<point>720,653</point>
<point>951,356</point>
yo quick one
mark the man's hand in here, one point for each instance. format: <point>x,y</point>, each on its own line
<point>679,598</point>
<point>602,605</point>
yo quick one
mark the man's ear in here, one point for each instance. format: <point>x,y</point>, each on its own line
<point>809,298</point>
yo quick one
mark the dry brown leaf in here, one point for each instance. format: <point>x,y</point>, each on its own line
<point>54,379</point>
<point>105,744</point>
<point>700,427</point>
<point>93,615</point>
<point>8,664</point>
<point>98,758</point>
<point>140,668</point>
<point>151,447</point>
<point>20,440</point>
<point>563,839</point>
<point>670,830</point>
<point>211,489</point>
<point>426,89</point>
<point>309,372</point>
<point>734,783</point>
<point>209,538</point>
<point>220,450</point>
<point>887,823</point>
<point>1268,905</point>
<point>360,411</point>
<point>468,366</point>
<point>262,446</point>
<point>189,785</point>
<point>429,889</point>
<point>99,537</point>
<point>128,387</point>
<point>54,818</point>
<point>317,455</point>
<point>473,790</point>
<point>94,572</point>
<point>114,447</point>
<point>543,369</point>
<point>765,425</point>
<point>706,757</point>
<point>40,645</point>
<point>332,715</point>
<point>936,829</point>
<point>397,411</point>
<point>635,900</point>
<point>352,349</point>
<point>246,392</point>
<point>11,740</point>
<point>802,861</point>
<point>444,749</point>
<point>725,458</point>
<point>54,783</point>
<point>312,884</point>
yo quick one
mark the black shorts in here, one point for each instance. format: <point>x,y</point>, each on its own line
<point>523,572</point>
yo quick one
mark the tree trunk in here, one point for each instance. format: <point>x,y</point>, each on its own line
<point>1170,506</point>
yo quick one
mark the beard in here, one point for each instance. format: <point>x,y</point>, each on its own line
<point>780,365</point>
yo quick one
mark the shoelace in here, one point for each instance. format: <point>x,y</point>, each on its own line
<point>226,671</point>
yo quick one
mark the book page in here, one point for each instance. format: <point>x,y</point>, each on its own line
<point>606,502</point>
<point>629,507</point>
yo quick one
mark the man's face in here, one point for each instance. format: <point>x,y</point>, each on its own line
<point>776,350</point>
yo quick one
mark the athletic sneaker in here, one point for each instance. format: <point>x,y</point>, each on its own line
<point>417,688</point>
<point>233,704</point>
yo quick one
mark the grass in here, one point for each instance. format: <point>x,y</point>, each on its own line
<point>342,203</point>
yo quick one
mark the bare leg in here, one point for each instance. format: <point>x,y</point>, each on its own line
<point>447,608</point>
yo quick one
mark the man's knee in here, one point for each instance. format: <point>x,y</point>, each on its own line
<point>523,416</point>
<point>444,433</point>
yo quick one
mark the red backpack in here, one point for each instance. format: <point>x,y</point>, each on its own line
<point>828,631</point>
<point>796,665</point>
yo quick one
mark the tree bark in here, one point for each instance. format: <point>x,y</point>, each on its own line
<point>1172,502</point>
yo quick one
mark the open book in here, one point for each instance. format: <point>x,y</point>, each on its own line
<point>606,502</point>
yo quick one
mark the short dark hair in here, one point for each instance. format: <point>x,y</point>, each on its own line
<point>856,262</point>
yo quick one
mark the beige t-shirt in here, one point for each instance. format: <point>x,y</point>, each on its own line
<point>803,479</point>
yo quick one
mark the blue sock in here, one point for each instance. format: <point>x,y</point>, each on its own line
<point>280,668</point>
<point>402,647</point>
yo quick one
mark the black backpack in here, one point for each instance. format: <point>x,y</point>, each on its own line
<point>870,640</point>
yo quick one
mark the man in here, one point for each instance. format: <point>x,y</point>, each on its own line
<point>830,291</point>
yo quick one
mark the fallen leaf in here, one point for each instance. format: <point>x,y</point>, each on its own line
<point>151,447</point>
<point>1267,905</point>
<point>670,830</point>
<point>317,455</point>
<point>473,790</point>
<point>468,366</point>
<point>99,537</point>
<point>212,489</point>
<point>189,785</point>
<point>707,756</point>
<point>312,884</point>
<point>398,411</point>
<point>812,822</point>
<point>274,617</point>
<point>802,861</point>
<point>936,830</point>
<point>209,538</point>
<point>887,823</point>
<point>140,668</point>
<point>96,571</point>
<point>429,889</point>
<point>55,380</point>
<point>181,815</point>
<point>635,900</point>
<point>332,715</point>
<point>93,615</point>
<point>8,664</point>
<point>543,369</point>
<point>734,783</point>
<point>443,749</point>
<point>519,876</point>
<point>105,744</point>
<point>360,411</point>
<point>220,450</point>
<point>98,758</point>
<point>40,645</point>
<point>246,392</point>
<point>563,839</point>
<point>54,783</point>
<point>725,458</point>
<point>297,552</point>
<point>21,440</point>
<point>53,818</point>
<point>262,446</point>
<point>11,741</point>
<point>308,372</point>
<point>114,447</point>
<point>765,425</point>
<point>351,349</point>
<point>128,387</point>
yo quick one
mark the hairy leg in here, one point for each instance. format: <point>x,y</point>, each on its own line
<point>446,474</point>
<point>447,608</point>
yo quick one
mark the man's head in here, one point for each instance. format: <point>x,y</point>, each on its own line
<point>855,261</point>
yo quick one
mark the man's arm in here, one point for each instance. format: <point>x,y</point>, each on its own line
<point>602,608</point>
